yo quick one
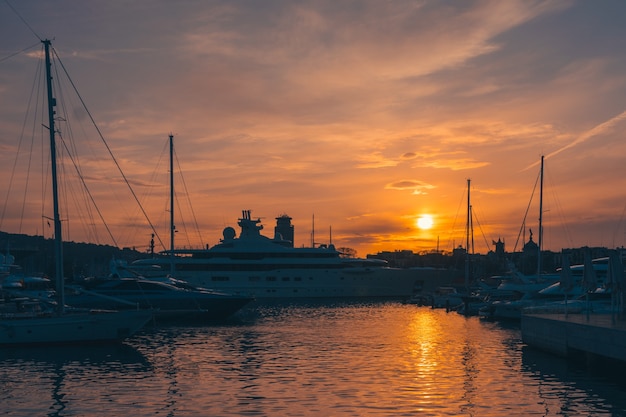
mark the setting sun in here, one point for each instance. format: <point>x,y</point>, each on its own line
<point>425,222</point>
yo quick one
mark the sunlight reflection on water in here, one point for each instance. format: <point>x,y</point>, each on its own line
<point>327,360</point>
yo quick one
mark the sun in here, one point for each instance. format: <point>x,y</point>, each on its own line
<point>425,221</point>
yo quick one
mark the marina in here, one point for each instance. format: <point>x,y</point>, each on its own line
<point>352,116</point>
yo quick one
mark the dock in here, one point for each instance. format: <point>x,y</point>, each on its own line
<point>594,335</point>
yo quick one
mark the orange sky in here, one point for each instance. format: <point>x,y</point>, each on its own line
<point>365,114</point>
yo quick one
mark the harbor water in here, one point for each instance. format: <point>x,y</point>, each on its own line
<point>324,359</point>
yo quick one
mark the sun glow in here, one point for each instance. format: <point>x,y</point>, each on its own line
<point>425,222</point>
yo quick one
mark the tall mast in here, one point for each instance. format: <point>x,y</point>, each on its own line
<point>467,236</point>
<point>313,230</point>
<point>172,226</point>
<point>540,240</point>
<point>58,238</point>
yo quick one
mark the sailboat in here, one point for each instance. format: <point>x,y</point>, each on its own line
<point>526,286</point>
<point>171,298</point>
<point>24,321</point>
<point>217,304</point>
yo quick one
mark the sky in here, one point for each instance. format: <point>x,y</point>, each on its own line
<point>355,118</point>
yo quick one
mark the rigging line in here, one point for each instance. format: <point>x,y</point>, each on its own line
<point>155,178</point>
<point>45,174</point>
<point>193,213</point>
<point>82,180</point>
<point>80,198</point>
<point>88,211</point>
<point>19,52</point>
<point>559,207</point>
<point>146,196</point>
<point>526,213</point>
<point>107,146</point>
<point>32,145</point>
<point>36,84</point>
<point>480,227</point>
<point>182,220</point>
<point>452,231</point>
<point>23,20</point>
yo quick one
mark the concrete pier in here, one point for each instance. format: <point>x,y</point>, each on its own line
<point>594,335</point>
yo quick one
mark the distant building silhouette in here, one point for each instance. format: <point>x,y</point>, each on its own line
<point>530,246</point>
<point>500,252</point>
<point>284,228</point>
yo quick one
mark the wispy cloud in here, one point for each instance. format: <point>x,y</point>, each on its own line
<point>415,186</point>
<point>602,128</point>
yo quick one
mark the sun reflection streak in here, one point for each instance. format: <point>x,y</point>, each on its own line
<point>427,357</point>
<point>445,362</point>
<point>425,331</point>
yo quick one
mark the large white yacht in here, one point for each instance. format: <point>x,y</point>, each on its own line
<point>266,267</point>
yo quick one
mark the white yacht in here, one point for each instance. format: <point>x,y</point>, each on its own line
<point>266,267</point>
<point>578,285</point>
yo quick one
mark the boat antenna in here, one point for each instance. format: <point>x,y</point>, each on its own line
<point>58,237</point>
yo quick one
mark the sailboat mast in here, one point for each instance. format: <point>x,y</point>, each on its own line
<point>58,238</point>
<point>172,226</point>
<point>540,240</point>
<point>313,231</point>
<point>467,235</point>
<point>469,218</point>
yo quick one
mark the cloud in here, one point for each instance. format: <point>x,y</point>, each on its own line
<point>603,128</point>
<point>417,187</point>
<point>454,164</point>
<point>600,129</point>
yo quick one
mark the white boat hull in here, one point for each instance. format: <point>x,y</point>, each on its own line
<point>380,282</point>
<point>73,328</point>
<point>256,265</point>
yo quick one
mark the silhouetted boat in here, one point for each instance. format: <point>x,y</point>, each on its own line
<point>580,285</point>
<point>173,300</point>
<point>272,268</point>
<point>526,286</point>
<point>13,281</point>
<point>24,321</point>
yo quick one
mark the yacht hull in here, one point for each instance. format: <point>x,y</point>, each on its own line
<point>73,328</point>
<point>376,282</point>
